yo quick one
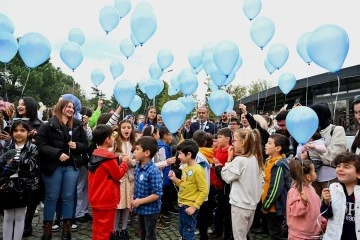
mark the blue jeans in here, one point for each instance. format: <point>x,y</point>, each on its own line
<point>61,183</point>
<point>187,224</point>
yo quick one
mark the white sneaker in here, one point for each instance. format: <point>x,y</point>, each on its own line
<point>209,230</point>
<point>55,227</point>
<point>36,213</point>
<point>41,205</point>
<point>197,232</point>
<point>74,227</point>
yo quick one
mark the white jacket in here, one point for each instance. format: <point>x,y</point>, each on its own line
<point>335,224</point>
<point>246,181</point>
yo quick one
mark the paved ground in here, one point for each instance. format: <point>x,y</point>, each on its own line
<point>84,231</point>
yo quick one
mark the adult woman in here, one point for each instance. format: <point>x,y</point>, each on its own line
<point>335,143</point>
<point>150,119</point>
<point>27,108</point>
<point>61,141</point>
<point>355,147</point>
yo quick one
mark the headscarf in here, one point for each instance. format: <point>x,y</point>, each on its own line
<point>324,115</point>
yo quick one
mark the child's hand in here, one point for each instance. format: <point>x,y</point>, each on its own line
<point>63,157</point>
<point>231,153</point>
<point>170,161</point>
<point>135,203</point>
<point>171,175</point>
<point>190,210</point>
<point>326,195</point>
<point>304,198</point>
<point>217,162</point>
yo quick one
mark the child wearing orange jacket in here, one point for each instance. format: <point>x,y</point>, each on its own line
<point>103,180</point>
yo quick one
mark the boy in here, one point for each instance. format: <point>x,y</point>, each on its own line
<point>192,188</point>
<point>148,187</point>
<point>204,158</point>
<point>104,186</point>
<point>341,201</point>
<point>277,184</point>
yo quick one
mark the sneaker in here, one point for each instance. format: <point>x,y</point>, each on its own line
<point>88,217</point>
<point>41,205</point>
<point>36,213</point>
<point>173,211</point>
<point>197,232</point>
<point>161,224</point>
<point>55,227</point>
<point>74,227</point>
<point>209,231</point>
<point>82,219</point>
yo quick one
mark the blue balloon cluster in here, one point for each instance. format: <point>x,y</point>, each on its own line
<point>124,93</point>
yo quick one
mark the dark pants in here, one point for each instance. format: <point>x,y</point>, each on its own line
<point>187,224</point>
<point>34,200</point>
<point>228,234</point>
<point>275,224</point>
<point>204,220</point>
<point>166,199</point>
<point>148,226</point>
<point>216,198</point>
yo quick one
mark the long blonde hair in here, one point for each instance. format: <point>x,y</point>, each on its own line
<point>252,144</point>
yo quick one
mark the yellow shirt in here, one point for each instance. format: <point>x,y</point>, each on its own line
<point>192,186</point>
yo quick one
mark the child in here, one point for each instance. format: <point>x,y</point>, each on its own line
<point>245,174</point>
<point>125,141</point>
<point>303,204</point>
<point>204,158</point>
<point>277,183</point>
<point>19,176</point>
<point>148,187</point>
<point>192,188</point>
<point>103,180</point>
<point>224,138</point>
<point>342,200</point>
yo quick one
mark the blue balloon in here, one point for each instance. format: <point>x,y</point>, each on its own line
<point>230,78</point>
<point>109,18</point>
<point>173,114</point>
<point>34,49</point>
<point>217,77</point>
<point>208,48</point>
<point>230,107</point>
<point>261,31</point>
<point>189,103</point>
<point>135,104</point>
<point>175,82</point>
<point>213,86</point>
<point>301,46</point>
<point>152,88</point>
<point>162,85</point>
<point>8,47</point>
<point>142,84</point>
<point>195,58</point>
<point>226,54</point>
<point>277,55</point>
<point>127,48</point>
<point>287,82</point>
<point>252,8</point>
<point>155,71</point>
<point>198,69</point>
<point>123,6</point>
<point>302,122</point>
<point>219,102</point>
<point>208,64</point>
<point>165,58</point>
<point>124,93</point>
<point>328,46</point>
<point>172,91</point>
<point>97,77</point>
<point>6,25</point>
<point>143,23</point>
<point>71,54</point>
<point>188,81</point>
<point>116,69</point>
<point>76,35</point>
<point>270,68</point>
<point>134,40</point>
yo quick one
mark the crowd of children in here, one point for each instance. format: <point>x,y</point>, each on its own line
<point>212,184</point>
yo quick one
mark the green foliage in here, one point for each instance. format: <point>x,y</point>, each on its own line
<point>236,91</point>
<point>163,97</point>
<point>258,86</point>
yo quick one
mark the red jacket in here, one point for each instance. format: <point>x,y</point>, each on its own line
<point>221,155</point>
<point>104,176</point>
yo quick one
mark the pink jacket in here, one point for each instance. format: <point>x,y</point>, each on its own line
<point>303,221</point>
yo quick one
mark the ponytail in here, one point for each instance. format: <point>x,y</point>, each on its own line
<point>257,149</point>
<point>298,170</point>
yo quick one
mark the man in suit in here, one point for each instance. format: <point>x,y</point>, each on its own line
<point>202,123</point>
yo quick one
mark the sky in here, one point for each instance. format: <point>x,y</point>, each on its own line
<point>183,26</point>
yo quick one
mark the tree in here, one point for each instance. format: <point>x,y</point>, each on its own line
<point>258,86</point>
<point>164,97</point>
<point>236,91</point>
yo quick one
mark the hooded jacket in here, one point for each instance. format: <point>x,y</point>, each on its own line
<point>104,176</point>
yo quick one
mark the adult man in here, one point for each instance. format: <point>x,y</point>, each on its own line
<point>223,122</point>
<point>202,123</point>
<point>281,128</point>
<point>186,129</point>
<point>234,124</point>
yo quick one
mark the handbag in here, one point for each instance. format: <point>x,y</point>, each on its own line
<point>78,161</point>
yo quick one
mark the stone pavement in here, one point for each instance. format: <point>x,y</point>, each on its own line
<point>84,231</point>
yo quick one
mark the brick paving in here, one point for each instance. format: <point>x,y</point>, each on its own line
<point>84,231</point>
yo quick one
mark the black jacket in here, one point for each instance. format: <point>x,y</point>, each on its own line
<point>52,140</point>
<point>263,133</point>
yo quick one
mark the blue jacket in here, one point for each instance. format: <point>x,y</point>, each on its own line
<point>166,170</point>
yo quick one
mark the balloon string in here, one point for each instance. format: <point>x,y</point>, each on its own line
<point>337,94</point>
<point>307,86</point>
<point>265,100</point>
<point>275,101</point>
<point>27,78</point>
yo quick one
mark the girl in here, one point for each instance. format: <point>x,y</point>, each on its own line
<point>244,173</point>
<point>150,119</point>
<point>14,194</point>
<point>303,204</point>
<point>61,142</point>
<point>125,141</point>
